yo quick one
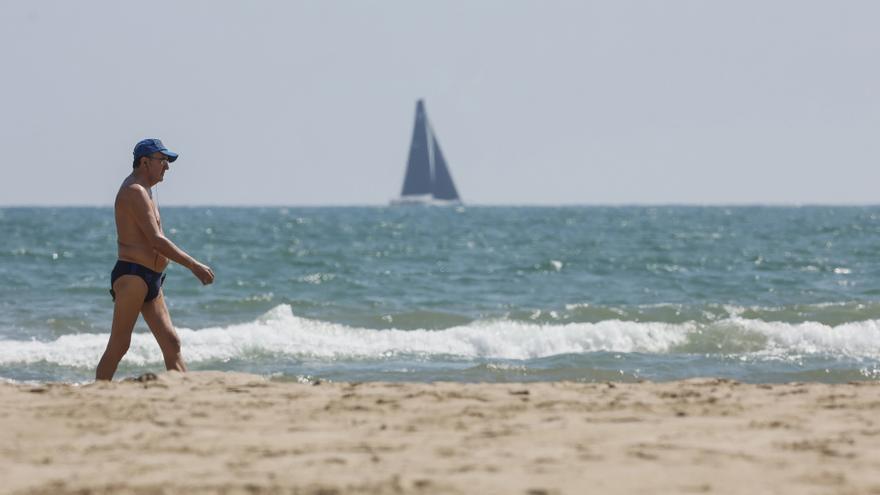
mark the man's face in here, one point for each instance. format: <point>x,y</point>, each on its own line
<point>158,164</point>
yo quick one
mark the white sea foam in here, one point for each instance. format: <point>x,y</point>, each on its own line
<point>279,332</point>
<point>855,340</point>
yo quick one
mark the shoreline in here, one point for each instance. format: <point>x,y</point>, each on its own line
<point>224,432</point>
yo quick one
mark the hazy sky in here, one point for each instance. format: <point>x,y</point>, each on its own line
<point>534,102</point>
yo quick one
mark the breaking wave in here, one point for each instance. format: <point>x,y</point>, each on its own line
<point>279,334</point>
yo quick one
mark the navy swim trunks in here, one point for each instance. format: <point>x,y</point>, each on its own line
<point>154,280</point>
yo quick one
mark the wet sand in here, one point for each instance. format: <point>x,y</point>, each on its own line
<point>214,432</point>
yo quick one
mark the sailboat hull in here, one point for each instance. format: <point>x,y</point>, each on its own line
<point>426,200</point>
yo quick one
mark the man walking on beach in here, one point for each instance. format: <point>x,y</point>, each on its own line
<point>144,252</point>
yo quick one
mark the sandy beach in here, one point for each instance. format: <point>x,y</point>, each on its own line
<point>213,432</point>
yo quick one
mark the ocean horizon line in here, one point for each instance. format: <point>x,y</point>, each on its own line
<point>466,205</point>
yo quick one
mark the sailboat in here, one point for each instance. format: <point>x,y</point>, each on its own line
<point>427,179</point>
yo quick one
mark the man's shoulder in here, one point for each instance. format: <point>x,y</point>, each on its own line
<point>133,188</point>
<point>132,192</point>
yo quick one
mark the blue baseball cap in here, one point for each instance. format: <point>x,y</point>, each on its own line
<point>150,146</point>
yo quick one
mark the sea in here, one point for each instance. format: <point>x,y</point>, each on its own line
<point>463,294</point>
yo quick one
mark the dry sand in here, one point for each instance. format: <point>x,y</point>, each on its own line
<point>213,432</point>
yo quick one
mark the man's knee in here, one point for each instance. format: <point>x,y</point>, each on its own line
<point>117,348</point>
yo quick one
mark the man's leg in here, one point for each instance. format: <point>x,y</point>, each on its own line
<point>156,315</point>
<point>130,292</point>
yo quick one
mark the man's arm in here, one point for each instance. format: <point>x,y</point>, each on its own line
<point>140,206</point>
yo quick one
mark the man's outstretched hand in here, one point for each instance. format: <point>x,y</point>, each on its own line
<point>203,273</point>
